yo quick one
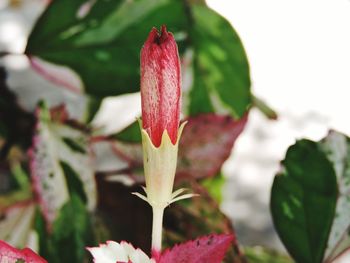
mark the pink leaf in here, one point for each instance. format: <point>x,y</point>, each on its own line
<point>207,249</point>
<point>206,143</point>
<point>10,254</point>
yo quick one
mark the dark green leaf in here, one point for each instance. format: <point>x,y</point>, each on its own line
<point>73,145</point>
<point>71,232</point>
<point>74,184</point>
<point>221,72</point>
<point>103,46</point>
<point>130,134</point>
<point>93,106</point>
<point>303,201</point>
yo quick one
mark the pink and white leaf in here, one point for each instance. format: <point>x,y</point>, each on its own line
<point>58,75</point>
<point>47,174</point>
<point>16,223</point>
<point>9,254</point>
<point>49,150</point>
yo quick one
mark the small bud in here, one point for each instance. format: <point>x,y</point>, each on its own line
<point>160,86</point>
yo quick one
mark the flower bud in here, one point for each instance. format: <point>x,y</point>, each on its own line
<point>160,86</point>
<point>160,101</point>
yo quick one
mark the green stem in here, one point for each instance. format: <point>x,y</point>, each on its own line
<point>264,108</point>
<point>157,228</point>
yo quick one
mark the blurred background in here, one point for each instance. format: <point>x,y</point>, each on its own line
<point>299,59</point>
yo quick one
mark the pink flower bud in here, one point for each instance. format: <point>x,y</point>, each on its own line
<point>160,86</point>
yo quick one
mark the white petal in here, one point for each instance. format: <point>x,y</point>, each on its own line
<point>109,253</point>
<point>112,252</point>
<point>135,255</point>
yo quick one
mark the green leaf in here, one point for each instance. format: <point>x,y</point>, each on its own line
<point>74,183</point>
<point>131,134</point>
<point>214,186</point>
<point>20,191</point>
<point>103,46</point>
<point>303,201</point>
<point>71,232</point>
<point>74,146</point>
<point>263,255</point>
<point>93,106</point>
<point>221,71</point>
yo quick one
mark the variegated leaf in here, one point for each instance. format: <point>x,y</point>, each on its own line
<point>60,161</point>
<point>337,149</point>
<point>16,223</point>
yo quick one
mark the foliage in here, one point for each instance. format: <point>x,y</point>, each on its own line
<point>100,41</point>
<point>310,199</point>
<point>49,162</point>
<point>106,42</point>
<point>210,248</point>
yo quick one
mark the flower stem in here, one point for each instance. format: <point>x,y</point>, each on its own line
<point>157,228</point>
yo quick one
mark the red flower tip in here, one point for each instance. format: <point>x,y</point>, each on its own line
<point>160,86</point>
<point>157,38</point>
